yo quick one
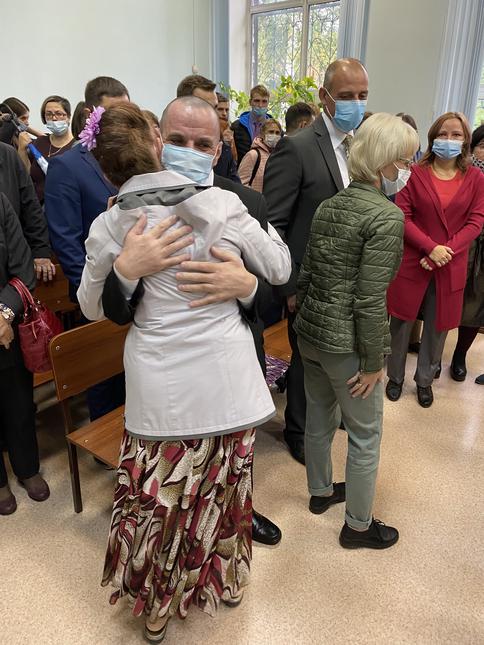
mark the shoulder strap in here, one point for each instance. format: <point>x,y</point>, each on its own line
<point>24,293</point>
<point>256,167</point>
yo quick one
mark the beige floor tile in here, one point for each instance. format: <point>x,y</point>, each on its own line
<point>427,589</point>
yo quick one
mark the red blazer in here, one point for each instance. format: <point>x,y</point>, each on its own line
<point>426,225</point>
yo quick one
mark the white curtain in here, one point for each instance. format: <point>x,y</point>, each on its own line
<point>353,27</point>
<point>462,58</point>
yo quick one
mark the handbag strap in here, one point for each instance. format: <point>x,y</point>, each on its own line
<point>27,298</point>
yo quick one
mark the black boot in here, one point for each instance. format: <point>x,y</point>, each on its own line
<point>393,390</point>
<point>425,396</point>
<point>264,531</point>
<point>458,369</point>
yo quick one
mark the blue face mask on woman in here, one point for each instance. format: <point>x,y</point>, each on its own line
<point>188,162</point>
<point>447,148</point>
<point>348,114</point>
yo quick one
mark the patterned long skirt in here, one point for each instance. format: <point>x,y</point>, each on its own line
<point>181,529</point>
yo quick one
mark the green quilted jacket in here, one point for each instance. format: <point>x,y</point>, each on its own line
<point>353,253</point>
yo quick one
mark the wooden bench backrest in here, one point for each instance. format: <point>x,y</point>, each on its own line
<point>86,355</point>
<point>55,294</point>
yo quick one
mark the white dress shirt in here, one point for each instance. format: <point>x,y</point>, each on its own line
<point>337,138</point>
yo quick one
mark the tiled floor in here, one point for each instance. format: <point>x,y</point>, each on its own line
<point>428,589</point>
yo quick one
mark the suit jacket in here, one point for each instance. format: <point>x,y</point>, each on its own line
<point>15,261</point>
<point>17,186</point>
<point>121,311</point>
<point>426,225</point>
<point>300,174</point>
<point>76,192</point>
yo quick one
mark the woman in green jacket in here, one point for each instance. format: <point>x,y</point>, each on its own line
<point>354,251</point>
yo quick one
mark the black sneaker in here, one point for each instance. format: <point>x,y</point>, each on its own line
<point>378,536</point>
<point>425,396</point>
<point>393,390</point>
<point>319,504</point>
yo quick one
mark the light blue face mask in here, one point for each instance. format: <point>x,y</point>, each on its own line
<point>188,162</point>
<point>348,114</point>
<point>57,127</point>
<point>259,111</point>
<point>447,148</point>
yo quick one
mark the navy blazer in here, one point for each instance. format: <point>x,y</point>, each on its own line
<point>76,192</point>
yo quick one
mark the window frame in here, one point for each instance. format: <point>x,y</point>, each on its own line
<point>277,5</point>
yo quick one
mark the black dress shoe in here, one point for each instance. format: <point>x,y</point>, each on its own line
<point>8,505</point>
<point>414,348</point>
<point>480,380</point>
<point>393,390</point>
<point>458,369</point>
<point>264,531</point>
<point>296,448</point>
<point>377,536</point>
<point>319,504</point>
<point>425,396</point>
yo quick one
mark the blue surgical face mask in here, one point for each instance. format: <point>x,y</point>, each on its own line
<point>348,114</point>
<point>188,162</point>
<point>259,111</point>
<point>57,127</point>
<point>447,148</point>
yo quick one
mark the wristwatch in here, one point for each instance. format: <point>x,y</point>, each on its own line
<point>7,313</point>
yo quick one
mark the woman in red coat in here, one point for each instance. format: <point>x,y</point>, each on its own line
<point>443,205</point>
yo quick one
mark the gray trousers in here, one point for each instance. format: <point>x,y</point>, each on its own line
<point>431,347</point>
<point>325,377</point>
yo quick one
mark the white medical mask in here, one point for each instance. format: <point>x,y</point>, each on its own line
<point>271,140</point>
<point>191,163</point>
<point>57,127</point>
<point>392,187</point>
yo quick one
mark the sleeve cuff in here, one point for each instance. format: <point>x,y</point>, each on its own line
<point>247,302</point>
<point>128,287</point>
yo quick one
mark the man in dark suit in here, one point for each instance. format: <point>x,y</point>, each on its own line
<point>304,170</point>
<point>76,192</point>
<point>214,281</point>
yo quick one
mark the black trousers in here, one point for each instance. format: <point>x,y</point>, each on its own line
<point>17,423</point>
<point>295,414</point>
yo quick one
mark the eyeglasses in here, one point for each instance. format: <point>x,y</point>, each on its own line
<point>57,115</point>
<point>406,162</point>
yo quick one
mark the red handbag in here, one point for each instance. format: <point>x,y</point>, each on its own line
<point>39,325</point>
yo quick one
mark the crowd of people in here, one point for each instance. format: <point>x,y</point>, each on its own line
<point>193,229</point>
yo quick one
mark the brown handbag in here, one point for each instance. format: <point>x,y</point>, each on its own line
<point>38,326</point>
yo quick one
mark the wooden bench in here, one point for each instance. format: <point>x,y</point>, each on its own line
<point>276,341</point>
<point>81,358</point>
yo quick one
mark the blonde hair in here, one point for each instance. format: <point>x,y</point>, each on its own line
<point>379,141</point>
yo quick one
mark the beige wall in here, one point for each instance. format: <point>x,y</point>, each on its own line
<point>403,55</point>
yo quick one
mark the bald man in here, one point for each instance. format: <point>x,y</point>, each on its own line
<point>304,170</point>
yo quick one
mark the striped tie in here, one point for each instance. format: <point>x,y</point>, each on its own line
<point>347,144</point>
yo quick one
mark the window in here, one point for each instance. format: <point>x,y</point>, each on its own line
<point>479,118</point>
<point>297,38</point>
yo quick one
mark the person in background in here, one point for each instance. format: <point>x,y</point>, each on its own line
<point>55,114</point>
<point>21,140</point>
<point>407,118</point>
<point>249,124</point>
<point>226,132</point>
<point>17,410</point>
<point>76,192</point>
<point>353,252</point>
<point>252,166</point>
<point>298,116</point>
<point>303,171</point>
<point>443,204</point>
<point>78,120</point>
<point>473,310</point>
<point>173,361</point>
<point>17,186</point>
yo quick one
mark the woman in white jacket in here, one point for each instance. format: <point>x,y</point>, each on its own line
<point>181,523</point>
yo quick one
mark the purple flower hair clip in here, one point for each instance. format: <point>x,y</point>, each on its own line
<point>91,129</point>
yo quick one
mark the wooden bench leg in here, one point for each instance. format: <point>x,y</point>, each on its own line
<point>75,481</point>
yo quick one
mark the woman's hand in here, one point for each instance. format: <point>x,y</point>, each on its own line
<point>228,136</point>
<point>425,263</point>
<point>23,140</point>
<point>362,383</point>
<point>6,333</point>
<point>44,269</point>
<point>441,255</point>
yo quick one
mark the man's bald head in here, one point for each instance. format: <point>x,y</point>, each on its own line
<point>341,69</point>
<point>345,80</point>
<point>193,111</point>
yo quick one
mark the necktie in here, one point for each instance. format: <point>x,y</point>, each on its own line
<point>347,144</point>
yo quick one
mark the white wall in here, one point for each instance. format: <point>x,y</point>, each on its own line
<point>149,45</point>
<point>403,55</point>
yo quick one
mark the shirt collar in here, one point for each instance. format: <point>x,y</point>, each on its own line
<point>337,136</point>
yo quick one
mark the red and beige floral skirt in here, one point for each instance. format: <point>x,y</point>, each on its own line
<point>181,530</point>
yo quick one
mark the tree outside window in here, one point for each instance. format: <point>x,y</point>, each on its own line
<point>292,38</point>
<point>479,118</point>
